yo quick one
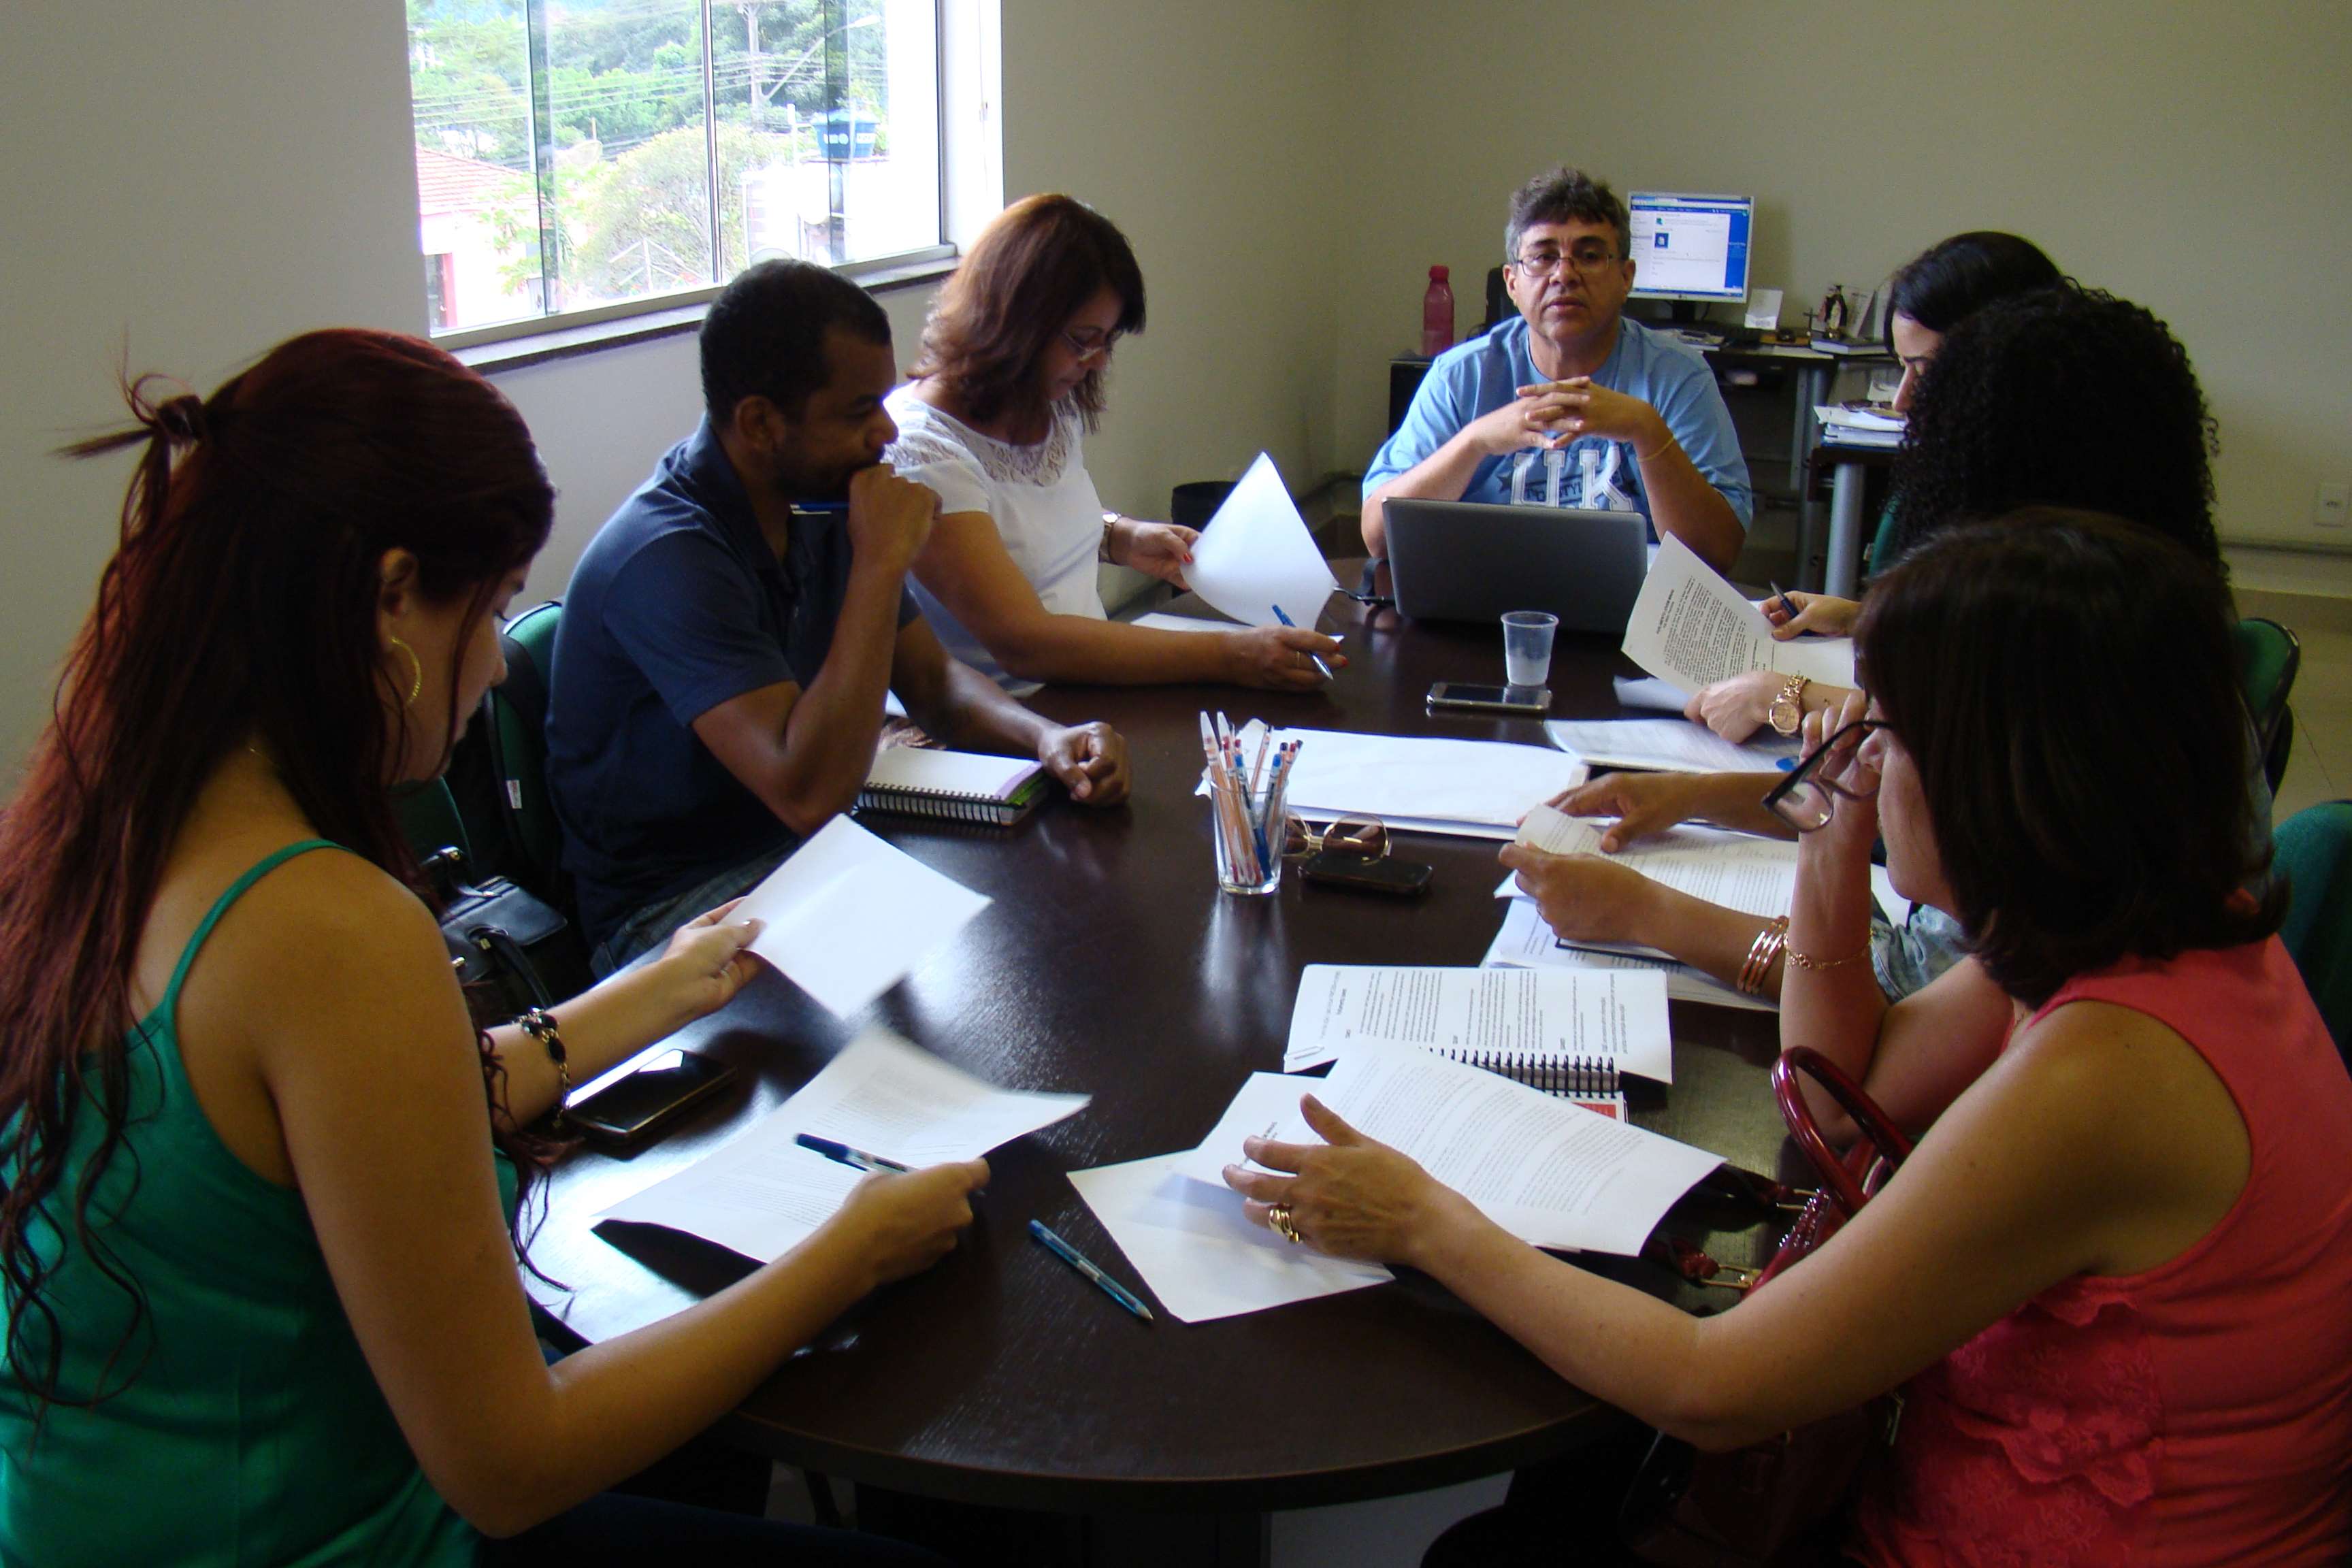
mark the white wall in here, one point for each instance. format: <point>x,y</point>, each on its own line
<point>166,197</point>
<point>2190,156</point>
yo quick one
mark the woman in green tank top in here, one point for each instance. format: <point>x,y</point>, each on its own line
<point>261,1295</point>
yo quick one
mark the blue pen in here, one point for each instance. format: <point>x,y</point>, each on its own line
<point>1318,657</point>
<point>1786,603</point>
<point>1077,1261</point>
<point>849,1156</point>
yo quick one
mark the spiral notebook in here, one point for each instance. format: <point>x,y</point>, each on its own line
<point>1588,1081</point>
<point>957,787</point>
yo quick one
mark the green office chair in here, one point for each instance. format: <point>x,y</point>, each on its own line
<point>2315,851</point>
<point>2268,659</point>
<point>430,821</point>
<point>517,732</point>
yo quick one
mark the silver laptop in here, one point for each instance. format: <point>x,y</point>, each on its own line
<point>1468,560</point>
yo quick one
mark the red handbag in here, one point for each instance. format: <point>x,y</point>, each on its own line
<point>1780,1502</point>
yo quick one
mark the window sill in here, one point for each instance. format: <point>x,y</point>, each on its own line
<point>569,342</point>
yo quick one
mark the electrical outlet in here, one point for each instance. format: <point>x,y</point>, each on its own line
<point>2329,504</point>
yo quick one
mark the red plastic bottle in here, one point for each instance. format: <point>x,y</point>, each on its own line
<point>1437,314</point>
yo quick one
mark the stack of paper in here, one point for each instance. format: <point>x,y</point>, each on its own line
<point>1667,745</point>
<point>1691,627</point>
<point>1619,1020</point>
<point>1859,427</point>
<point>1475,789</point>
<point>1547,1172</point>
<point>1736,870</point>
<point>1526,942</point>
<point>763,1194</point>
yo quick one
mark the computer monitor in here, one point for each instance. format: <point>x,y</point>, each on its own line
<point>1691,248</point>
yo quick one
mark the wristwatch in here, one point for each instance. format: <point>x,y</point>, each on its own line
<point>1102,551</point>
<point>1787,714</point>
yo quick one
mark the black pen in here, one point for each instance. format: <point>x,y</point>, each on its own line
<point>849,1156</point>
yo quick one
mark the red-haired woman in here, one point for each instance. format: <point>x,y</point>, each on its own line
<point>1010,382</point>
<point>262,1302</point>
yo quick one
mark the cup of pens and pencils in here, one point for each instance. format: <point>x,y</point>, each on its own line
<point>1245,811</point>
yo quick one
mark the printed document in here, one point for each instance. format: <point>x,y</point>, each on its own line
<point>1526,942</point>
<point>1693,628</point>
<point>1551,1016</point>
<point>1667,745</point>
<point>1737,870</point>
<point>849,916</point>
<point>1256,553</point>
<point>1198,1252</point>
<point>763,1194</point>
<point>1549,1172</point>
<point>1476,789</point>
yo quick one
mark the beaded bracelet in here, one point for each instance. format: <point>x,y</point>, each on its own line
<point>540,1025</point>
<point>1767,946</point>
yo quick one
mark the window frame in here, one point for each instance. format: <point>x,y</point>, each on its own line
<point>574,330</point>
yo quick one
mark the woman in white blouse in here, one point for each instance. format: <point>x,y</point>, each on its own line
<point>1010,381</point>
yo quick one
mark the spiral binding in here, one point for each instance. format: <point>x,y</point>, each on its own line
<point>1575,1077</point>
<point>987,810</point>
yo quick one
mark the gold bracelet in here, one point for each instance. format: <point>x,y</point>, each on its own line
<point>1102,552</point>
<point>540,1025</point>
<point>1767,946</point>
<point>1807,961</point>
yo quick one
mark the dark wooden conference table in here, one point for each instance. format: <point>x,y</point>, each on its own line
<point>1109,964</point>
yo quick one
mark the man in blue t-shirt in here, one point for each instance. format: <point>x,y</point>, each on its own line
<point>730,635</point>
<point>1569,404</point>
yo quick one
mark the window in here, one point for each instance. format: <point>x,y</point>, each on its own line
<point>577,156</point>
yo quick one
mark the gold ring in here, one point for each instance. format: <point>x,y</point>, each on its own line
<point>1279,1217</point>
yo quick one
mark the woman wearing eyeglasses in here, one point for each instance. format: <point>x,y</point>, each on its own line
<point>1010,384</point>
<point>2110,1279</point>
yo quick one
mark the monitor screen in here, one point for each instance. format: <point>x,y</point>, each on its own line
<point>1690,248</point>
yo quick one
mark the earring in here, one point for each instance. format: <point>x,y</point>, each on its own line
<point>416,668</point>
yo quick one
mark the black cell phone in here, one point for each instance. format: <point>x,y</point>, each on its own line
<point>1366,873</point>
<point>627,1110</point>
<point>1454,696</point>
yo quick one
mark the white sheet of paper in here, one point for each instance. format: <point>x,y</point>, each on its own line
<point>1618,1018</point>
<point>1736,871</point>
<point>1256,553</point>
<point>1666,745</point>
<point>762,1194</point>
<point>1763,309</point>
<point>1691,627</point>
<point>1550,1171</point>
<point>1196,1251</point>
<point>849,916</point>
<point>1526,942</point>
<point>1167,623</point>
<point>1477,788</point>
<point>1649,692</point>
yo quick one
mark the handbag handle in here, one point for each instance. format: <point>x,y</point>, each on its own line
<point>1839,1179</point>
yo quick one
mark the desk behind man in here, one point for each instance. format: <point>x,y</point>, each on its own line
<point>1568,404</point>
<point>719,672</point>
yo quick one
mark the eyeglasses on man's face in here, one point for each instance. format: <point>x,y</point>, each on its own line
<point>1588,260</point>
<point>1805,800</point>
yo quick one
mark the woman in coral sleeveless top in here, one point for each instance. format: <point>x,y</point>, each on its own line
<point>2112,1278</point>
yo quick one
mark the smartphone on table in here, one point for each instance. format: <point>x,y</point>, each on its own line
<point>1461,696</point>
<point>629,1110</point>
<point>1366,873</point>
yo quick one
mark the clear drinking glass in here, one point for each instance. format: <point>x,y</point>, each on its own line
<point>1526,646</point>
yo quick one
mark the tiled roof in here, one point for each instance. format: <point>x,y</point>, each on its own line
<point>451,185</point>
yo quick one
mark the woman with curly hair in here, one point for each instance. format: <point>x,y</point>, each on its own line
<point>2060,396</point>
<point>262,1304</point>
<point>1010,384</point>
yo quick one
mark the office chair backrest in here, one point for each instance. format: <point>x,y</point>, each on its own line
<point>430,820</point>
<point>2268,660</point>
<point>518,739</point>
<point>2314,852</point>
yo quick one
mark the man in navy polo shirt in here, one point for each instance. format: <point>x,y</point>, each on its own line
<point>1568,404</point>
<point>730,635</point>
